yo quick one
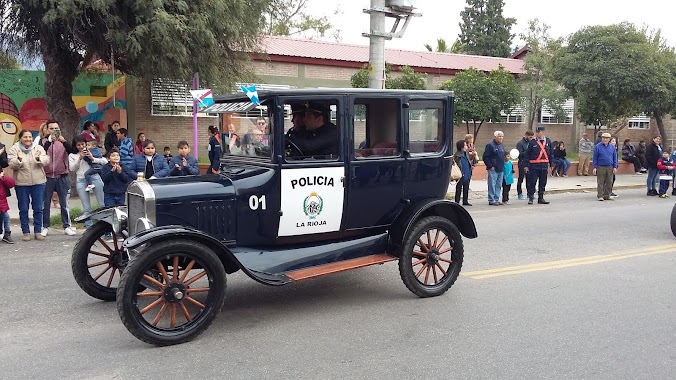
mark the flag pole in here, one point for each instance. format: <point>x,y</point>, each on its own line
<point>195,86</point>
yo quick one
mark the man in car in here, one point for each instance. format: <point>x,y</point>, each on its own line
<point>321,136</point>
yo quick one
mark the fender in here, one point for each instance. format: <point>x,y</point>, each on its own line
<point>441,207</point>
<point>104,214</point>
<point>228,259</point>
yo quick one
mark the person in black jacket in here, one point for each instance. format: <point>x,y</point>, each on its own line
<point>538,153</point>
<point>494,159</point>
<point>214,150</point>
<point>111,137</point>
<point>652,154</point>
<point>320,137</point>
<point>521,146</point>
<point>116,177</point>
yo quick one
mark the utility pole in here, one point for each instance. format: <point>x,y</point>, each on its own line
<point>379,10</point>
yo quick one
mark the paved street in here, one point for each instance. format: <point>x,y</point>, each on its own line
<point>578,289</point>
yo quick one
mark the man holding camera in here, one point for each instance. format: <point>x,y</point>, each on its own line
<point>57,149</point>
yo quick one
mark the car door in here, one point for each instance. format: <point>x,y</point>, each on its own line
<point>375,170</point>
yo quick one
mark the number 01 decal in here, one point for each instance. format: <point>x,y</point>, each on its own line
<point>255,202</point>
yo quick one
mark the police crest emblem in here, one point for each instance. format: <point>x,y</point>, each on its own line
<point>313,205</point>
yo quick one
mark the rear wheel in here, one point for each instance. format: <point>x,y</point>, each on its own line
<point>184,290</point>
<point>432,257</point>
<point>98,261</point>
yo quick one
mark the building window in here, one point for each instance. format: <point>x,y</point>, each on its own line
<point>639,122</point>
<point>515,115</point>
<point>170,98</point>
<point>548,117</point>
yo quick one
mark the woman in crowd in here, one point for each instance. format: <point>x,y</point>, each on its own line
<point>555,161</point>
<point>471,151</point>
<point>28,162</point>
<point>138,147</point>
<point>629,155</point>
<point>151,164</point>
<point>462,160</point>
<point>78,164</point>
<point>564,164</point>
<point>214,149</point>
<point>44,132</point>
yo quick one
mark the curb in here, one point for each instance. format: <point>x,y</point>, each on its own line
<point>580,189</point>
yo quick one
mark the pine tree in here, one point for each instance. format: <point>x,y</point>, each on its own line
<point>484,30</point>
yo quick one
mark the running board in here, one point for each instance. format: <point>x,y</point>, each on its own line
<point>321,270</point>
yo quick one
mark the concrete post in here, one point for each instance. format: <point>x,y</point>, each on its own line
<point>377,46</point>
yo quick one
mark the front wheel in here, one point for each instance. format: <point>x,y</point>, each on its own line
<point>184,290</point>
<point>98,260</point>
<point>432,257</point>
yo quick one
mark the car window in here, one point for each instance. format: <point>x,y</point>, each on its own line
<point>247,133</point>
<point>425,125</point>
<point>312,130</point>
<point>377,128</point>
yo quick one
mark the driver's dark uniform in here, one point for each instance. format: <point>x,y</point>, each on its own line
<point>323,141</point>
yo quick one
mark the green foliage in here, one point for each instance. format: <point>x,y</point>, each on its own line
<point>611,71</point>
<point>538,85</point>
<point>484,29</point>
<point>8,61</point>
<point>290,18</point>
<point>409,80</point>
<point>480,97</point>
<point>75,212</point>
<point>442,47</point>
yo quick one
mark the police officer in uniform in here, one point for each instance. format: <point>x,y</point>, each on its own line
<point>538,153</point>
<point>321,136</point>
<point>297,119</point>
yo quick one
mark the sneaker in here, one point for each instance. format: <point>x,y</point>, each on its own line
<point>521,197</point>
<point>26,237</point>
<point>45,232</point>
<point>39,237</point>
<point>89,187</point>
<point>466,204</point>
<point>7,238</point>
<point>601,199</point>
<point>664,196</point>
<point>608,199</point>
<point>69,231</point>
<point>614,195</point>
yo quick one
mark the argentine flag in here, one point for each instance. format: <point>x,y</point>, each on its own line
<point>204,98</point>
<point>251,92</point>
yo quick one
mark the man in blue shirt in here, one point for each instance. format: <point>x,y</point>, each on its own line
<point>604,162</point>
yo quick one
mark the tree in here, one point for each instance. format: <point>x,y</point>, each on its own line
<point>8,61</point>
<point>148,39</point>
<point>481,97</point>
<point>484,30</point>
<point>610,70</point>
<point>291,18</point>
<point>537,82</point>
<point>409,80</point>
<point>442,47</point>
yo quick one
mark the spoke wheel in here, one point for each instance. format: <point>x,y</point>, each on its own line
<point>180,302</point>
<point>432,257</point>
<point>97,264</point>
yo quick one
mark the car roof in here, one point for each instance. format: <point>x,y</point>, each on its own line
<point>309,92</point>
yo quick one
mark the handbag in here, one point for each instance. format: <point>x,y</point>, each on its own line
<point>456,172</point>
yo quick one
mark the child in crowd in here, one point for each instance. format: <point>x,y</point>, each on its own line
<point>116,177</point>
<point>184,163</point>
<point>508,178</point>
<point>93,167</point>
<point>665,166</point>
<point>6,183</point>
<point>167,155</point>
<point>126,147</point>
<point>150,164</point>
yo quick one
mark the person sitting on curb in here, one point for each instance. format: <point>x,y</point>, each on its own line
<point>629,156</point>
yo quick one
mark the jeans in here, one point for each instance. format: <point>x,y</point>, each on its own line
<point>93,169</point>
<point>4,219</point>
<point>653,173</point>
<point>494,185</point>
<point>461,186</point>
<point>85,196</point>
<point>113,199</point>
<point>61,185</point>
<point>26,195</point>
<point>565,165</point>
<point>664,186</point>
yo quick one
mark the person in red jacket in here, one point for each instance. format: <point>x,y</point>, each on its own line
<point>6,183</point>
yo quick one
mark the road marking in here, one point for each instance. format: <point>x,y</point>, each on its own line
<point>519,269</point>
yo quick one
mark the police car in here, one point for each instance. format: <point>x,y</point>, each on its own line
<point>282,215</point>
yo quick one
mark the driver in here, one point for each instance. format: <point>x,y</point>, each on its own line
<point>297,119</point>
<point>321,136</point>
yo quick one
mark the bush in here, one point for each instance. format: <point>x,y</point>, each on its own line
<point>55,218</point>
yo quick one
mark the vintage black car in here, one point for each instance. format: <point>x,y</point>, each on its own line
<point>283,209</point>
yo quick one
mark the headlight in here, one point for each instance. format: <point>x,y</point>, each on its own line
<point>119,220</point>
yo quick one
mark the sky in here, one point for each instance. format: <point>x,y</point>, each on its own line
<point>440,18</point>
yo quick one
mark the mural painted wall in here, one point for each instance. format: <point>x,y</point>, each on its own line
<point>22,101</point>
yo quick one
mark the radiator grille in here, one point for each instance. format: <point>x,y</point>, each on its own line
<point>136,209</point>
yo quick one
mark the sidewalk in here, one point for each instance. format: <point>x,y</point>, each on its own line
<point>479,188</point>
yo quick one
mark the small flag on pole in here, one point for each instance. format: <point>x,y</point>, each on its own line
<point>251,93</point>
<point>204,98</point>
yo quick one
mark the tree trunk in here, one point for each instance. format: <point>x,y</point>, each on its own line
<point>477,129</point>
<point>660,125</point>
<point>61,69</point>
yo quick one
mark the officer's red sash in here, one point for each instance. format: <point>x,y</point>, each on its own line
<point>543,158</point>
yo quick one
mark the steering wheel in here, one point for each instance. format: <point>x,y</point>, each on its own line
<point>293,146</point>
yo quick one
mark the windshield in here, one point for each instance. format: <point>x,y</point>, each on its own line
<point>246,132</point>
